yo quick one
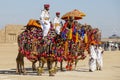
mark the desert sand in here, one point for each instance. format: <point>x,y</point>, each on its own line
<point>110,71</point>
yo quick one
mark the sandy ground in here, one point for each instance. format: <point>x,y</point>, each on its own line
<point>8,53</point>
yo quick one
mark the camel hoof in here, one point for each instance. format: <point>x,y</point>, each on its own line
<point>39,74</point>
<point>51,75</point>
<point>40,71</point>
<point>17,72</point>
<point>24,73</point>
<point>63,70</point>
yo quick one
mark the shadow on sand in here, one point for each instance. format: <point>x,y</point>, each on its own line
<point>13,72</point>
<point>82,70</point>
<point>34,73</point>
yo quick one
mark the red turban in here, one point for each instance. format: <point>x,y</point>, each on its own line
<point>46,5</point>
<point>57,13</point>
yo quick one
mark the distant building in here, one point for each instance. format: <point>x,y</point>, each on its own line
<point>113,38</point>
<point>10,32</point>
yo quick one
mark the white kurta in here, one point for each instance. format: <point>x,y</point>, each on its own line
<point>45,18</point>
<point>57,24</point>
<point>99,58</point>
<point>93,57</point>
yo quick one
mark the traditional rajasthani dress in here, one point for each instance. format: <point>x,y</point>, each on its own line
<point>45,18</point>
<point>93,57</point>
<point>57,24</point>
<point>99,58</point>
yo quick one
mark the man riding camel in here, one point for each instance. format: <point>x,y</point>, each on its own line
<point>57,23</point>
<point>45,19</point>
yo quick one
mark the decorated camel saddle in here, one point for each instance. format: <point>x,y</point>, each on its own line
<point>29,40</point>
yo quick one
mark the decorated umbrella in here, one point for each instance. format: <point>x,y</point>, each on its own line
<point>75,13</point>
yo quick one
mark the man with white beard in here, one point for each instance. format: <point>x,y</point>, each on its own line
<point>93,57</point>
<point>99,57</point>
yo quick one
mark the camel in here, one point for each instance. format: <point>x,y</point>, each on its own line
<point>49,59</point>
<point>28,47</point>
<point>38,49</point>
<point>21,54</point>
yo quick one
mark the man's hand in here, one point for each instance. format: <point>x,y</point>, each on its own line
<point>45,23</point>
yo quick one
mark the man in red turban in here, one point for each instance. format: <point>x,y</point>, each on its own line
<point>57,23</point>
<point>45,19</point>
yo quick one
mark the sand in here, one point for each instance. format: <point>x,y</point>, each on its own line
<point>8,53</point>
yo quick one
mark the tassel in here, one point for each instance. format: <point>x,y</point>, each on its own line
<point>66,47</point>
<point>86,38</point>
<point>76,37</point>
<point>67,67</point>
<point>70,34</point>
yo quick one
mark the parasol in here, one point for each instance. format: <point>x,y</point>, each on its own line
<point>75,13</point>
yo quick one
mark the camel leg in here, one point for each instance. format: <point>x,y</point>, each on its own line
<point>21,64</point>
<point>61,65</point>
<point>43,63</point>
<point>23,67</point>
<point>17,68</point>
<point>49,63</point>
<point>51,69</point>
<point>55,66</point>
<point>18,63</point>
<point>55,63</point>
<point>40,63</point>
<point>70,68</point>
<point>40,68</point>
<point>33,65</point>
<point>76,61</point>
<point>67,66</point>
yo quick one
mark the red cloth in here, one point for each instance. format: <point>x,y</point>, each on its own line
<point>64,26</point>
<point>59,59</point>
<point>74,38</point>
<point>76,57</point>
<point>57,13</point>
<point>46,5</point>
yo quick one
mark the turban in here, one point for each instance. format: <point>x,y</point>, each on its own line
<point>46,5</point>
<point>57,13</point>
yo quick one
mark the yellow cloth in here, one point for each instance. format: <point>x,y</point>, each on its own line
<point>33,22</point>
<point>77,37</point>
<point>86,38</point>
<point>46,18</point>
<point>30,22</point>
<point>57,24</point>
<point>36,24</point>
<point>70,34</point>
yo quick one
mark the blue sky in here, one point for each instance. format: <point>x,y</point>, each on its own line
<point>104,14</point>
